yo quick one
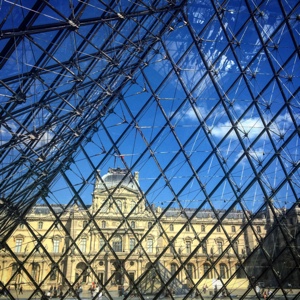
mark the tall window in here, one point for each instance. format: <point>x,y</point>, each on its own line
<point>187,228</point>
<point>35,271</point>
<point>188,247</point>
<point>53,274</point>
<point>171,227</point>
<point>206,268</point>
<point>203,228</point>
<point>172,248</point>
<point>223,271</point>
<point>56,246</point>
<point>236,247</point>
<point>190,270</point>
<point>233,229</point>
<point>219,229</point>
<point>103,224</point>
<point>40,225</point>
<point>131,243</point>
<point>204,247</point>
<point>149,225</point>
<point>117,244</point>
<point>173,268</point>
<point>258,229</point>
<point>83,245</point>
<point>150,245</point>
<point>101,244</point>
<point>119,208</point>
<point>220,247</point>
<point>18,245</point>
<point>132,224</point>
<point>84,223</point>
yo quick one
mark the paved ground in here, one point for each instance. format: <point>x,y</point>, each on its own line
<point>114,295</point>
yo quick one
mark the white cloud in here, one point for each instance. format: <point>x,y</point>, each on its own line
<point>45,138</point>
<point>256,154</point>
<point>252,127</point>
<point>191,114</point>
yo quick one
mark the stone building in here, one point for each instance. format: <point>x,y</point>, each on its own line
<point>116,239</point>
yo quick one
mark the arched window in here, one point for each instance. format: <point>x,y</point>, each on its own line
<point>132,224</point>
<point>190,270</point>
<point>206,270</point>
<point>236,247</point>
<point>233,229</point>
<point>223,271</point>
<point>171,227</point>
<point>149,225</point>
<point>117,244</point>
<point>203,228</point>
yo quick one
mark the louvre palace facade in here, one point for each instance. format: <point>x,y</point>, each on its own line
<point>124,238</point>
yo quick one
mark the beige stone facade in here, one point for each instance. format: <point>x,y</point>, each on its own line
<point>118,237</point>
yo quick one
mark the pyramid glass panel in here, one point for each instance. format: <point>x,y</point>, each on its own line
<point>149,149</point>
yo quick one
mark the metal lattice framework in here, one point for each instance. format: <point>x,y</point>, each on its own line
<point>201,97</point>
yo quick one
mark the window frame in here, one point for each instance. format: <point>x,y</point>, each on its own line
<point>19,244</point>
<point>83,244</point>
<point>150,245</point>
<point>117,244</point>
<point>56,243</point>
<point>132,243</point>
<point>188,247</point>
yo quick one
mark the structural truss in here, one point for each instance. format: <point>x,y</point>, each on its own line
<point>200,97</point>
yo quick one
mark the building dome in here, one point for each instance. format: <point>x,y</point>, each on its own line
<point>118,177</point>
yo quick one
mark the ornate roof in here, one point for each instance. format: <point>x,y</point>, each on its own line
<point>117,177</point>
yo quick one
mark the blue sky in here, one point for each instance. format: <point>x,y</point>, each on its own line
<point>214,106</point>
